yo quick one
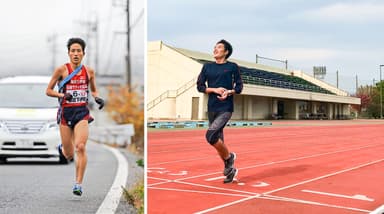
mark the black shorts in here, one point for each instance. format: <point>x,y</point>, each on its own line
<point>70,116</point>
<point>217,122</point>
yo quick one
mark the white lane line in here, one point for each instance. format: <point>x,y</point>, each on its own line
<point>356,197</point>
<point>278,198</point>
<point>215,178</point>
<point>112,199</point>
<point>260,184</point>
<point>379,210</point>
<point>285,160</point>
<point>287,187</point>
<point>252,151</point>
<point>226,205</point>
<point>197,191</point>
<point>325,176</point>
<point>217,188</point>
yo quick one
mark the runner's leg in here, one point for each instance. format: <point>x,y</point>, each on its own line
<point>66,134</point>
<point>80,140</point>
<point>215,133</point>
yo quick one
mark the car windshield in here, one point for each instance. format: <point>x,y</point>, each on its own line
<point>25,95</point>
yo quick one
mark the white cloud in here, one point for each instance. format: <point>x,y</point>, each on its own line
<point>347,12</point>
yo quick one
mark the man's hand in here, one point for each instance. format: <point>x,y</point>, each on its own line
<point>224,95</point>
<point>220,91</point>
<point>68,97</point>
<point>99,101</point>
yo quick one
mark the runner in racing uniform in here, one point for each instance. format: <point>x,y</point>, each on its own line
<point>73,114</point>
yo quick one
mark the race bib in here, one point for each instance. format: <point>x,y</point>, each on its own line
<point>78,96</point>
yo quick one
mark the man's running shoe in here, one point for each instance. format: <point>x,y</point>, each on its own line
<point>228,164</point>
<point>77,190</point>
<point>62,158</point>
<point>232,174</point>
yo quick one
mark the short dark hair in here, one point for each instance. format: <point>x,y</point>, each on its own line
<point>79,41</point>
<point>227,47</point>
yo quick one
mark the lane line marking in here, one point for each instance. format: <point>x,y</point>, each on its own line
<point>278,198</point>
<point>289,186</point>
<point>217,188</point>
<point>179,174</point>
<point>284,161</point>
<point>356,197</point>
<point>197,191</point>
<point>250,152</point>
<point>260,184</point>
<point>227,204</point>
<point>112,199</point>
<point>325,176</point>
<point>379,210</point>
<point>215,178</point>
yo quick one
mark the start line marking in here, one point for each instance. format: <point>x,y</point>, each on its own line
<point>356,197</point>
<point>258,184</point>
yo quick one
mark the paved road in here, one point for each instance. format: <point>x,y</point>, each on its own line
<point>46,187</point>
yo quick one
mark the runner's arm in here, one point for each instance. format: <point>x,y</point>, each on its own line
<point>92,82</point>
<point>57,74</point>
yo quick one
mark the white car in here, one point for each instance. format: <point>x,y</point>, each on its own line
<point>28,125</point>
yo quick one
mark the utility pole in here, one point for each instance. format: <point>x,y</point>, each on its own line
<point>128,57</point>
<point>92,31</point>
<point>53,40</point>
<point>337,79</point>
<point>357,83</point>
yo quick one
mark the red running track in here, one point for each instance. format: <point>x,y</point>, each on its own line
<point>327,168</point>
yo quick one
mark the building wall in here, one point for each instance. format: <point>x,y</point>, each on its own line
<point>170,69</point>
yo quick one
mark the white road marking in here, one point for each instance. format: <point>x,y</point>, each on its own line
<point>180,173</point>
<point>379,210</point>
<point>197,191</point>
<point>217,188</point>
<point>290,186</point>
<point>288,160</point>
<point>226,205</point>
<point>326,176</point>
<point>261,184</point>
<point>156,169</point>
<point>112,199</point>
<point>278,198</point>
<point>357,197</point>
<point>215,178</point>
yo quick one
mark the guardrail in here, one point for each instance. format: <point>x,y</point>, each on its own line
<point>120,135</point>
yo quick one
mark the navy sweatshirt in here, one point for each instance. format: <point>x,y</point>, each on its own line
<point>226,75</point>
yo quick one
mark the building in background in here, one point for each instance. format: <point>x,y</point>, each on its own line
<point>268,93</point>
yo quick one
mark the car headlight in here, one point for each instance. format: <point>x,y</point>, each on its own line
<point>2,126</point>
<point>51,126</point>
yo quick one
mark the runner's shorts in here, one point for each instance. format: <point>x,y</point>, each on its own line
<point>70,116</point>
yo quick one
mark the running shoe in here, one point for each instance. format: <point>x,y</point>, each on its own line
<point>232,174</point>
<point>77,190</point>
<point>228,164</point>
<point>62,158</point>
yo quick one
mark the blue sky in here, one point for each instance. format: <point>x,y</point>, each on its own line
<point>345,36</point>
<point>26,25</point>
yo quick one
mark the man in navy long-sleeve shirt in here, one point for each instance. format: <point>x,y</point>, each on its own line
<point>223,80</point>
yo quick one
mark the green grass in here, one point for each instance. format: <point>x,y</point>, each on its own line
<point>140,162</point>
<point>135,196</point>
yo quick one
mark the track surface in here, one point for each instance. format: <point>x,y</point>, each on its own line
<point>290,167</point>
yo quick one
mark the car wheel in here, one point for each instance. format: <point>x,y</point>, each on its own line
<point>3,160</point>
